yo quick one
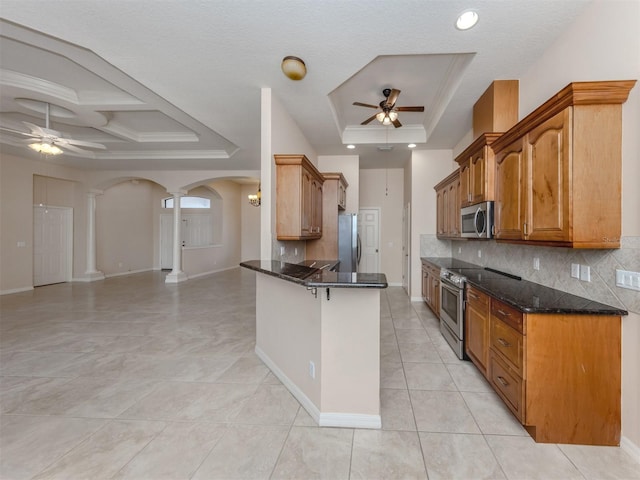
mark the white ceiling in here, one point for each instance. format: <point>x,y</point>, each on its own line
<point>170,84</point>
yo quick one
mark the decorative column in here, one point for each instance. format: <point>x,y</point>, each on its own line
<point>92,274</point>
<point>177,275</point>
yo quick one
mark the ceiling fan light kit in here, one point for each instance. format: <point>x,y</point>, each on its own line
<point>294,67</point>
<point>45,148</point>
<point>388,114</point>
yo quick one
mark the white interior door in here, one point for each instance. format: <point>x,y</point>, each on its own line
<point>369,230</point>
<point>406,248</point>
<point>52,245</point>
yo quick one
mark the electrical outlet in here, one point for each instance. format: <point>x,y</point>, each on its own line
<point>575,270</point>
<point>479,253</point>
<point>585,273</point>
<point>312,369</point>
<point>536,263</point>
<point>281,250</point>
<point>627,279</point>
<point>295,251</point>
<point>459,249</point>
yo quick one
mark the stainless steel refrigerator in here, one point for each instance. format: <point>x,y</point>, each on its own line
<point>348,242</point>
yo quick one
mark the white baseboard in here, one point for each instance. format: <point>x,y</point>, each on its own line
<point>350,420</point>
<point>328,419</point>
<point>130,272</point>
<point>305,401</point>
<point>15,290</point>
<point>394,284</point>
<point>197,275</point>
<point>631,448</point>
<point>417,299</point>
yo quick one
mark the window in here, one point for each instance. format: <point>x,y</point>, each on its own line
<point>188,202</point>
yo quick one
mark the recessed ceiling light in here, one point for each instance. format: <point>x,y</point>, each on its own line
<point>466,20</point>
<point>351,147</point>
<point>412,145</point>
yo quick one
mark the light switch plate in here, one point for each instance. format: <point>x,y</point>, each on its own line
<point>585,273</point>
<point>575,270</point>
<point>627,279</point>
<point>536,263</point>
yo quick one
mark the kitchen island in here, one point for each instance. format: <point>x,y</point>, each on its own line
<point>319,333</point>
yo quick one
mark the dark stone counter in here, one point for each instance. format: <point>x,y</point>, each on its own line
<point>316,277</point>
<point>525,296</point>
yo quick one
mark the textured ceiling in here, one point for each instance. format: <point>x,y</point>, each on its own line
<point>176,84</point>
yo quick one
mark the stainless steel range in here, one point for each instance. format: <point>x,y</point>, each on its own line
<point>452,301</point>
<point>452,309</point>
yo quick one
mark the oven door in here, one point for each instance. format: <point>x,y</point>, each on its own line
<point>452,308</point>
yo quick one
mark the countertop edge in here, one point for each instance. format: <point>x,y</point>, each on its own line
<point>311,280</point>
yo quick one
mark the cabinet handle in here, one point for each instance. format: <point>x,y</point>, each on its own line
<point>524,227</point>
<point>504,314</point>
<point>503,381</point>
<point>504,343</point>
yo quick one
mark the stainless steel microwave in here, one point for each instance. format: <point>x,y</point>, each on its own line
<point>477,220</point>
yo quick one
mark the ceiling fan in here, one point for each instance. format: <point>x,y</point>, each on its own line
<point>52,142</point>
<point>389,112</point>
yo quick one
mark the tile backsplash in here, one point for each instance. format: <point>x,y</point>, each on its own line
<point>555,265</point>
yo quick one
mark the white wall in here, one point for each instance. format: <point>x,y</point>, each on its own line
<point>428,167</point>
<point>384,188</point>
<point>124,227</point>
<point>250,226</point>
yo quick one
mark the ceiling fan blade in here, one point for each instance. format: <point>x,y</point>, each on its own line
<point>409,109</point>
<point>35,129</point>
<point>368,120</point>
<point>392,98</point>
<point>359,104</point>
<point>18,132</point>
<point>81,143</point>
<point>396,123</point>
<point>75,149</point>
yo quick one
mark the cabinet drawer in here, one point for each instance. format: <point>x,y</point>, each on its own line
<point>477,298</point>
<point>508,342</point>
<point>508,385</point>
<point>508,315</point>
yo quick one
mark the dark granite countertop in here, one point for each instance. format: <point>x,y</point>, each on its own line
<point>525,296</point>
<point>315,277</point>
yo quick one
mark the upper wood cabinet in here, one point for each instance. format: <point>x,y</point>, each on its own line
<point>559,170</point>
<point>448,206</point>
<point>298,198</point>
<point>334,191</point>
<point>477,171</point>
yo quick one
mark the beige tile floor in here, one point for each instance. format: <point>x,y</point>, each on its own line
<point>129,378</point>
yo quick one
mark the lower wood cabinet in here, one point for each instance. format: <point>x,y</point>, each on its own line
<point>560,374</point>
<point>477,328</point>
<point>431,286</point>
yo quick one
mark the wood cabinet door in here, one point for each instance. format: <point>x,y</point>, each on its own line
<point>509,208</point>
<point>453,209</point>
<point>440,211</point>
<point>425,284</point>
<point>307,200</point>
<point>465,183</point>
<point>316,207</point>
<point>477,330</point>
<point>478,177</point>
<point>548,153</point>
